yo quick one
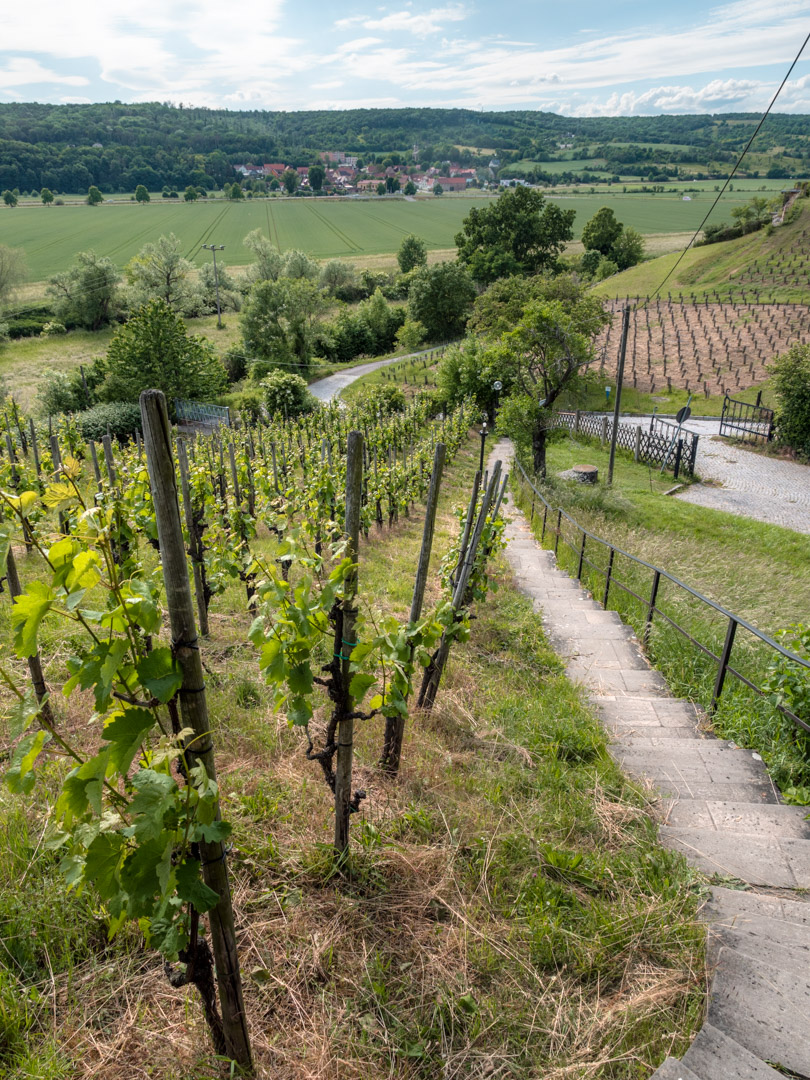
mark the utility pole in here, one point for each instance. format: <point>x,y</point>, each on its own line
<point>618,399</point>
<point>214,248</point>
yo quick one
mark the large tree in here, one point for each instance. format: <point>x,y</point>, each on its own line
<point>141,194</point>
<point>269,263</point>
<point>601,232</point>
<point>547,353</point>
<point>289,179</point>
<point>316,176</point>
<point>94,196</point>
<point>278,321</point>
<point>440,298</point>
<point>154,350</point>
<point>520,233</point>
<point>605,238</point>
<point>87,294</point>
<point>47,196</point>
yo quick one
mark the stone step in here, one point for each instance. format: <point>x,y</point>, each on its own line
<point>759,948</point>
<point>665,712</point>
<point>731,903</point>
<point>764,1008</point>
<point>688,766</point>
<point>716,1056</point>
<point>740,791</point>
<point>743,817</point>
<point>672,1069</point>
<point>781,864</point>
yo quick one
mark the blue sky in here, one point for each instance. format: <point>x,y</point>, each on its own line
<point>581,59</point>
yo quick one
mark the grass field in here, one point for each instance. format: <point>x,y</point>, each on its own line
<point>325,228</point>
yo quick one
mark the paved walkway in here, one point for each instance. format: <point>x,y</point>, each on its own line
<point>718,807</point>
<point>326,389</point>
<point>746,483</point>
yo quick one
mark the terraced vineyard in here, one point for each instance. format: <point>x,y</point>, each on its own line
<point>709,347</point>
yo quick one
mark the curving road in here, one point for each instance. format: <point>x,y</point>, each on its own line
<point>326,389</point>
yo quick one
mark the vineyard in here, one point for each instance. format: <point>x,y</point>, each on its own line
<point>708,347</point>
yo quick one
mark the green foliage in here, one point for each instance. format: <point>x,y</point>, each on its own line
<point>602,231</point>
<point>316,176</point>
<point>87,294</point>
<point>141,194</point>
<point>47,196</point>
<point>791,383</point>
<point>412,253</point>
<point>286,394</point>
<point>268,261</point>
<point>411,335</point>
<point>12,271</point>
<point>279,319</point>
<point>383,400</point>
<point>619,247</point>
<point>94,196</point>
<point>519,234</point>
<point>159,272</point>
<point>120,419</point>
<point>154,351</point>
<point>440,298</point>
<point>9,198</point>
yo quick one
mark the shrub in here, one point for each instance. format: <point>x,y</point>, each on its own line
<point>235,364</point>
<point>53,329</point>
<point>287,394</point>
<point>248,403</point>
<point>121,418</point>
<point>791,382</point>
<point>385,399</point>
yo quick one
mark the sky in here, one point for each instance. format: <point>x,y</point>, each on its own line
<point>580,59</point>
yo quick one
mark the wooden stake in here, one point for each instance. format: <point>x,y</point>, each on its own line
<point>194,709</point>
<point>194,542</point>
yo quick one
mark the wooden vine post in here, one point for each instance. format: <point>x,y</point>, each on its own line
<point>195,546</point>
<point>35,661</point>
<point>194,710</point>
<point>345,748</point>
<point>395,725</point>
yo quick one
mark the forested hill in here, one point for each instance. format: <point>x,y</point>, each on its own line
<point>69,147</point>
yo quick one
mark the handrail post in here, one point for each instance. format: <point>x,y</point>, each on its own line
<point>581,556</point>
<point>725,656</point>
<point>651,607</point>
<point>557,537</point>
<point>531,516</point>
<point>607,578</point>
<point>545,515</point>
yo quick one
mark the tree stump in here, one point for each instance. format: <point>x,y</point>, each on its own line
<point>583,474</point>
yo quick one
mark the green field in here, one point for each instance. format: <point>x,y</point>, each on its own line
<point>325,228</point>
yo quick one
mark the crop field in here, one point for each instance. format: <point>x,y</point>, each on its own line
<point>706,348</point>
<point>324,228</point>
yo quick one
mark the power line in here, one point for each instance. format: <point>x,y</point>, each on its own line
<point>737,164</point>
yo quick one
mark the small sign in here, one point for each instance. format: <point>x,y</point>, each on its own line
<point>683,414</point>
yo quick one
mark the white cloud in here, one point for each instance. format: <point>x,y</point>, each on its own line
<point>24,71</point>
<point>429,22</point>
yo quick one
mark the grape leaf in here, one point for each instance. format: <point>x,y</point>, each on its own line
<point>360,685</point>
<point>192,888</point>
<point>155,795</point>
<point>146,872</point>
<point>28,612</point>
<point>101,863</point>
<point>159,673</point>
<point>126,731</point>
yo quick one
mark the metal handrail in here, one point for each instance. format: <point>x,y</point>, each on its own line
<point>734,621</point>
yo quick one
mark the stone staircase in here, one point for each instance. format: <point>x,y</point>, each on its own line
<point>719,808</point>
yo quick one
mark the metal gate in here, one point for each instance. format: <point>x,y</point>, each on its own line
<point>742,420</point>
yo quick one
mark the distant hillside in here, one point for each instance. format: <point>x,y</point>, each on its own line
<point>69,147</point>
<point>769,265</point>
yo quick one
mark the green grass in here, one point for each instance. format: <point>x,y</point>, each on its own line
<point>411,375</point>
<point>727,267</point>
<point>759,572</point>
<point>666,403</point>
<point>505,888</point>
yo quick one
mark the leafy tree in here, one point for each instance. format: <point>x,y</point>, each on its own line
<point>9,198</point>
<point>12,271</point>
<point>297,264</point>
<point>440,298</point>
<point>411,335</point>
<point>546,354</point>
<point>47,196</point>
<point>381,188</point>
<point>87,294</point>
<point>391,184</point>
<point>234,192</point>
<point>412,253</point>
<point>269,263</point>
<point>141,194</point>
<point>335,275</point>
<point>468,369</point>
<point>628,250</point>
<point>410,188</point>
<point>519,234</point>
<point>94,196</point>
<point>287,394</point>
<point>154,350</point>
<point>791,382</point>
<point>602,231</point>
<point>438,189</point>
<point>190,194</point>
<point>289,178</point>
<point>159,271</point>
<point>278,321</point>
<point>316,175</point>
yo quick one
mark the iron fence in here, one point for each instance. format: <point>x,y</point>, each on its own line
<point>556,521</point>
<point>194,412</point>
<point>742,420</point>
<point>660,444</point>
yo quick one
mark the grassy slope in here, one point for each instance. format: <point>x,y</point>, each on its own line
<point>715,267</point>
<point>510,907</point>
<point>760,572</point>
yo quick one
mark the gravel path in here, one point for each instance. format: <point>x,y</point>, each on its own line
<point>326,389</point>
<point>748,484</point>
